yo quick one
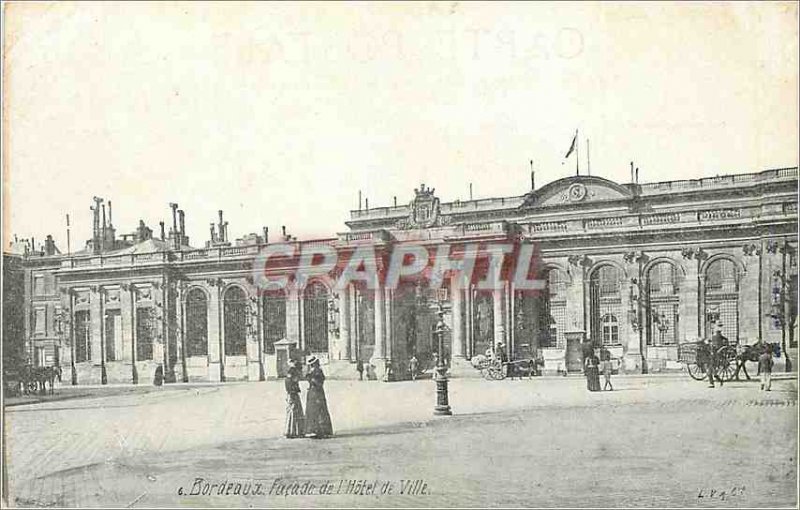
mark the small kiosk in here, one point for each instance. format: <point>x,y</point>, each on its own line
<point>285,350</point>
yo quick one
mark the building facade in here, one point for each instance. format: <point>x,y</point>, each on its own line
<point>638,268</point>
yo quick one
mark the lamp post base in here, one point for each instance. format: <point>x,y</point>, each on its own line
<point>74,376</point>
<point>442,402</point>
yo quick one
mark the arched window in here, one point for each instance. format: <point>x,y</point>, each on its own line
<point>196,323</point>
<point>610,330</point>
<point>274,312</point>
<point>663,302</point>
<point>235,311</point>
<point>315,317</point>
<point>552,310</point>
<point>605,301</point>
<point>722,298</point>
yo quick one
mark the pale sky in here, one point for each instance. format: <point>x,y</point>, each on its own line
<point>280,113</point>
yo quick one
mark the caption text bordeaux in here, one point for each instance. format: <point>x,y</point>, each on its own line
<point>281,487</point>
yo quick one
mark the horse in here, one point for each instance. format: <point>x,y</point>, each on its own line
<point>751,353</point>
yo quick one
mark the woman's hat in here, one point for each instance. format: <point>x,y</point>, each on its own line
<point>312,360</point>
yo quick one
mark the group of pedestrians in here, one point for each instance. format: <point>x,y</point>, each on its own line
<point>594,365</point>
<point>316,422</point>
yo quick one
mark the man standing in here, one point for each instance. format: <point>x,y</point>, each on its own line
<point>360,369</point>
<point>765,367</point>
<point>605,365</point>
<point>718,340</point>
<point>412,367</point>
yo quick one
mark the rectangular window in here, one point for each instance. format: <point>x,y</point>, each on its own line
<point>113,331</point>
<point>38,285</point>
<point>83,346</point>
<point>274,321</point>
<point>39,321</point>
<point>145,332</point>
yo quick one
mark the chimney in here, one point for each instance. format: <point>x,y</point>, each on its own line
<point>266,235</point>
<point>174,232</point>
<point>221,227</point>
<point>359,200</point>
<point>162,229</point>
<point>395,201</point>
<point>283,232</point>
<point>366,204</point>
<point>632,177</point>
<point>637,175</point>
<point>103,232</point>
<point>533,180</point>
<point>213,234</point>
<point>110,221</point>
<point>49,245</point>
<point>182,223</point>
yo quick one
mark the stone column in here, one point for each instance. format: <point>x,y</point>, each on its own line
<point>354,323</point>
<point>457,298</point>
<point>126,316</point>
<point>468,323</point>
<point>215,352</point>
<point>344,322</point>
<point>292,316</point>
<point>96,332</point>
<point>379,354</point>
<point>498,296</point>
<point>689,307</point>
<point>387,323</point>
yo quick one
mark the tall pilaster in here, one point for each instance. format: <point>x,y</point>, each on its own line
<point>457,298</point>
<point>387,324</point>
<point>498,296</point>
<point>344,322</point>
<point>380,311</point>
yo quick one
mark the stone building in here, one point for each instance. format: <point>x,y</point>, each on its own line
<point>636,267</point>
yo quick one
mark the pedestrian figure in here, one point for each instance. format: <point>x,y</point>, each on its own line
<point>158,378</point>
<point>605,364</point>
<point>295,421</point>
<point>318,420</point>
<point>592,372</point>
<point>718,340</point>
<point>412,367</point>
<point>765,368</point>
<point>500,352</point>
<point>387,371</point>
<point>360,369</point>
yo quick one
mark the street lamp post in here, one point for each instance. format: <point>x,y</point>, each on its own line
<point>257,330</point>
<point>63,322</point>
<point>442,402</point>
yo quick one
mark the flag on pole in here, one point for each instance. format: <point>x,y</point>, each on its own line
<point>572,147</point>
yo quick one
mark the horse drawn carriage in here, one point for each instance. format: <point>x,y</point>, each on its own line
<point>28,379</point>
<point>494,368</point>
<point>730,358</point>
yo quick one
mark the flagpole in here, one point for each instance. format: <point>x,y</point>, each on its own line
<point>577,154</point>
<point>588,159</point>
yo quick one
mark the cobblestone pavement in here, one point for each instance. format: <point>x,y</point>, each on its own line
<point>656,441</point>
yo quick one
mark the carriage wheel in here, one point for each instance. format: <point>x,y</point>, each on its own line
<point>487,373</point>
<point>726,367</point>
<point>696,371</point>
<point>32,386</point>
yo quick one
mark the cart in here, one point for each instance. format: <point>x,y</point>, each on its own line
<point>696,356</point>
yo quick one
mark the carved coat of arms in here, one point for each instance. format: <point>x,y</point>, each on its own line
<point>424,210</point>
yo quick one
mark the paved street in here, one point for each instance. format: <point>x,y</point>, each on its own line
<point>657,441</point>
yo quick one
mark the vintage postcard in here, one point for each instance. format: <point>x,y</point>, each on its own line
<point>400,254</point>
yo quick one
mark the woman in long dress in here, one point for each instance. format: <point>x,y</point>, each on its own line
<point>295,421</point>
<point>318,419</point>
<point>592,369</point>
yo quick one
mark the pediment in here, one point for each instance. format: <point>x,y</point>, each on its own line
<point>576,190</point>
